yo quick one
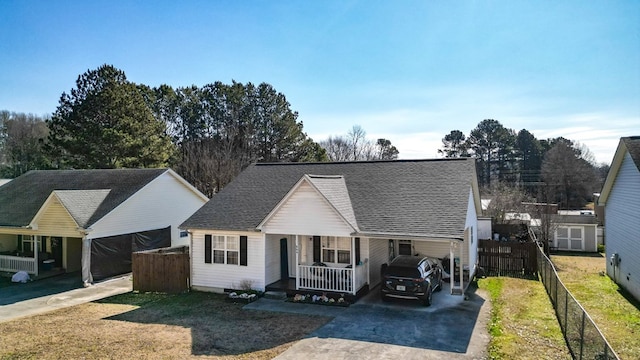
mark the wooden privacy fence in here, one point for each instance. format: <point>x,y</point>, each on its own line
<point>517,259</point>
<point>161,270</point>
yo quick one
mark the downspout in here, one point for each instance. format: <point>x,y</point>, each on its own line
<point>190,258</point>
<point>87,278</point>
<point>36,250</point>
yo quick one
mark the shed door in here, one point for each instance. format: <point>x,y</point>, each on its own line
<point>570,238</point>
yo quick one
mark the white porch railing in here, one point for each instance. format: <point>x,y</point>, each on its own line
<point>331,278</point>
<point>17,263</point>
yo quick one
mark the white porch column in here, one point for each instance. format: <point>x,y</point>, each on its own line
<point>461,266</point>
<point>452,268</point>
<point>36,250</point>
<point>353,266</point>
<point>297,263</point>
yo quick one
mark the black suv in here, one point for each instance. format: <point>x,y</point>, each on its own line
<point>411,277</point>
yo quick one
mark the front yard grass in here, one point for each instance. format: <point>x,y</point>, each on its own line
<point>613,310</point>
<point>146,326</point>
<point>523,323</point>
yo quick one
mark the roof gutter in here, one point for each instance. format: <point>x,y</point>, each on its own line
<point>408,236</point>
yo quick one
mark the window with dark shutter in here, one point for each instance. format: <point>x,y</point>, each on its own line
<point>243,250</point>
<point>207,249</point>
<point>357,250</point>
<point>316,249</point>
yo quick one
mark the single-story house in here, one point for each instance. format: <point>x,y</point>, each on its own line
<point>331,226</point>
<point>91,220</point>
<point>620,196</point>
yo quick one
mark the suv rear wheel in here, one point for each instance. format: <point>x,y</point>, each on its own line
<point>427,297</point>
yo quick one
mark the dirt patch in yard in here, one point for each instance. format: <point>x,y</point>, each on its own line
<point>145,326</point>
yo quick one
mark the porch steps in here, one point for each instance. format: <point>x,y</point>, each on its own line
<point>276,295</point>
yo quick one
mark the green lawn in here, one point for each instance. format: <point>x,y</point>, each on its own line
<point>523,324</point>
<point>613,310</point>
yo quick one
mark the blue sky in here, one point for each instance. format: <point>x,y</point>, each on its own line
<point>408,71</point>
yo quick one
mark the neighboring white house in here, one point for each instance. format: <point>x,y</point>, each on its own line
<point>331,226</point>
<point>91,220</point>
<point>621,199</point>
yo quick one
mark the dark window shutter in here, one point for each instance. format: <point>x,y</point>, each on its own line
<point>243,250</point>
<point>316,249</point>
<point>207,249</point>
<point>20,243</point>
<point>357,250</point>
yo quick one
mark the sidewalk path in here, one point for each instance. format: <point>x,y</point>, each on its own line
<point>48,303</point>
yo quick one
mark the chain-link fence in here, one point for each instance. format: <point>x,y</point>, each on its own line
<point>583,337</point>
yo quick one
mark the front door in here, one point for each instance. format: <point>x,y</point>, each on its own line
<point>284,260</point>
<point>56,251</point>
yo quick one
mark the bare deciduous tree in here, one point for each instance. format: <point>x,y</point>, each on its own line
<point>356,147</point>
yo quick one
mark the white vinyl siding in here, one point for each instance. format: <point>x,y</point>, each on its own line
<point>434,249</point>
<point>622,226</point>
<point>307,212</point>
<point>217,277</point>
<point>378,255</point>
<point>164,202</point>
<point>272,259</point>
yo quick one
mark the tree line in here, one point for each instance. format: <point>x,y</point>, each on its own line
<point>555,170</point>
<point>207,134</point>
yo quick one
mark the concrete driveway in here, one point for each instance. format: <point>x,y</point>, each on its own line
<point>11,293</point>
<point>19,300</point>
<point>452,328</point>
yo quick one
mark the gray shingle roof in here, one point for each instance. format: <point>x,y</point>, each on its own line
<point>82,204</point>
<point>574,219</point>
<point>633,145</point>
<point>402,197</point>
<point>334,189</point>
<point>21,198</point>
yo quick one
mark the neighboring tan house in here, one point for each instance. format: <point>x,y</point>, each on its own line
<point>621,199</point>
<point>331,226</point>
<point>91,220</point>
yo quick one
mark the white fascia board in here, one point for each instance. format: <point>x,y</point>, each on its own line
<point>618,158</point>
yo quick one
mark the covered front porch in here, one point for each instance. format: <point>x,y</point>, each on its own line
<point>310,263</point>
<point>39,254</point>
<point>317,264</point>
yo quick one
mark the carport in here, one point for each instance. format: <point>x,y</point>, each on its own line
<point>461,253</point>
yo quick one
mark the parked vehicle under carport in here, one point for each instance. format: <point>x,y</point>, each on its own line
<point>411,277</point>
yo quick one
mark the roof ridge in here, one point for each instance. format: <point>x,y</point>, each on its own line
<point>362,161</point>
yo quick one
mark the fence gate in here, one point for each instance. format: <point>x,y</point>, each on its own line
<point>161,270</point>
<point>516,259</point>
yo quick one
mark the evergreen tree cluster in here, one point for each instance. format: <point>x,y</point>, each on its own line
<point>207,134</point>
<point>551,170</point>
